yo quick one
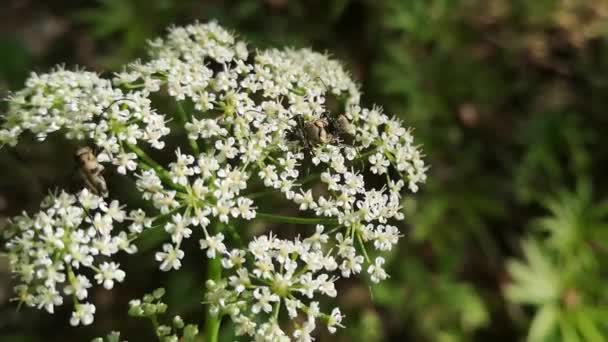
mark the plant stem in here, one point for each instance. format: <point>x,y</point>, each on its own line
<point>159,169</point>
<point>275,313</point>
<point>367,154</point>
<point>295,220</point>
<point>144,156</point>
<point>212,321</point>
<point>184,118</point>
<point>362,245</point>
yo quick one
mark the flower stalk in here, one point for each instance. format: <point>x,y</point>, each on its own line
<point>213,319</point>
<point>295,220</point>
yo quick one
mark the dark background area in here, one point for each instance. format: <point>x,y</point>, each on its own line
<point>508,98</point>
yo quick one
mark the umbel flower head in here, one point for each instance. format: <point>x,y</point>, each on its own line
<point>286,120</point>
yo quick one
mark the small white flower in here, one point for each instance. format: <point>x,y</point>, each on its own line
<point>236,257</point>
<point>170,258</point>
<point>181,169</point>
<point>102,223</point>
<point>241,281</point>
<point>376,271</point>
<point>125,161</point>
<point>88,200</point>
<point>78,287</point>
<point>244,208</point>
<point>139,221</point>
<point>226,148</point>
<point>292,307</point>
<point>48,298</point>
<point>385,237</point>
<point>335,319</point>
<point>305,200</point>
<point>179,228</point>
<point>264,298</point>
<point>114,211</point>
<point>352,264</point>
<point>84,314</point>
<point>303,334</point>
<point>318,238</point>
<point>244,325</point>
<point>213,245</point>
<point>326,285</point>
<point>222,209</point>
<point>379,163</point>
<point>108,273</point>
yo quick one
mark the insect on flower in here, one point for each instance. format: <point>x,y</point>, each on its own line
<point>90,171</point>
<point>325,130</point>
<point>339,125</point>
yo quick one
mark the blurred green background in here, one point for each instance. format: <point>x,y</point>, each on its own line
<point>507,241</point>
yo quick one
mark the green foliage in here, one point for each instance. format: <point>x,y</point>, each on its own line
<point>435,306</point>
<point>15,62</point>
<point>129,22</point>
<point>503,131</point>
<point>562,273</point>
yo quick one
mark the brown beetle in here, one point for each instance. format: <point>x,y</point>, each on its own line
<point>90,171</point>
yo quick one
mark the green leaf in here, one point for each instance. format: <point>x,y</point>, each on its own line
<point>536,281</point>
<point>543,324</point>
<point>568,332</point>
<point>588,328</point>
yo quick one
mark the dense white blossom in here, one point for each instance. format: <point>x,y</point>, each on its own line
<point>240,110</point>
<point>51,250</point>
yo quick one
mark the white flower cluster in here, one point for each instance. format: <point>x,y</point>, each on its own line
<point>56,250</point>
<point>242,111</point>
<point>83,106</point>
<point>284,273</point>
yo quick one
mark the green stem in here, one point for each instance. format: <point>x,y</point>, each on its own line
<point>213,321</point>
<point>184,118</point>
<point>367,154</point>
<point>235,235</point>
<point>72,280</point>
<point>145,157</point>
<point>275,313</point>
<point>362,245</point>
<point>159,169</point>
<point>309,178</point>
<point>255,195</point>
<point>295,220</point>
<point>153,236</point>
<point>155,324</point>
